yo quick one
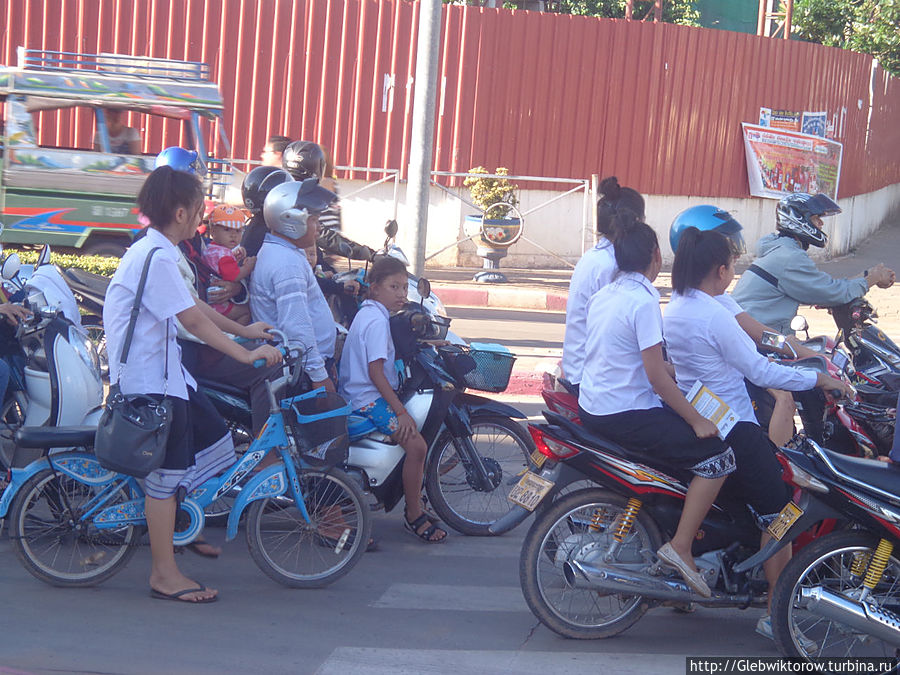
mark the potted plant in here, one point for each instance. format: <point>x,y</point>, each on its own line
<point>498,224</point>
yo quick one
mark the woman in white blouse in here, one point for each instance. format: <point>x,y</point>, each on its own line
<point>199,442</point>
<point>624,378</point>
<point>705,342</point>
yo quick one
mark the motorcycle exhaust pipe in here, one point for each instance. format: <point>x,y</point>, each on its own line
<point>875,621</point>
<point>613,580</point>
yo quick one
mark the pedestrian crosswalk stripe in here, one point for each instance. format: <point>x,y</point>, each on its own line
<point>376,661</point>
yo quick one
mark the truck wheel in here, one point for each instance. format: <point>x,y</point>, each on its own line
<point>113,248</point>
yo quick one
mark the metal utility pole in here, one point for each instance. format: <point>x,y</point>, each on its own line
<point>424,106</point>
<point>770,12</point>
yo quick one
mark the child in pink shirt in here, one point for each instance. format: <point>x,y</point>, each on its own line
<point>227,258</point>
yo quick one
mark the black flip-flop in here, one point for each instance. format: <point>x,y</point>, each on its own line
<point>179,596</point>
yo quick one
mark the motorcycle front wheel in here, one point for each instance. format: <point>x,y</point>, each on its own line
<point>837,563</point>
<point>312,554</point>
<point>451,481</point>
<point>580,527</point>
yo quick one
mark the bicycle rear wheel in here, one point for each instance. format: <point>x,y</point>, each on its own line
<point>310,555</point>
<point>54,542</point>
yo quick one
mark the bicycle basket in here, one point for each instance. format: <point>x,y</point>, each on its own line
<point>318,421</point>
<point>485,367</point>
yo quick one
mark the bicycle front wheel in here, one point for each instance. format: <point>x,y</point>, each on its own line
<point>56,543</point>
<point>311,554</point>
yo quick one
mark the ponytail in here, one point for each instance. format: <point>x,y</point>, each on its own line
<point>614,200</point>
<point>698,254</point>
<point>634,242</point>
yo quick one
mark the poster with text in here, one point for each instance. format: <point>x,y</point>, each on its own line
<point>814,123</point>
<point>785,119</point>
<point>781,162</point>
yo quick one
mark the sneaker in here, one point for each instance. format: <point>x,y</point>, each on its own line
<point>764,628</point>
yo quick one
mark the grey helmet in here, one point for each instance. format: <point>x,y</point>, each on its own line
<point>288,206</point>
<point>793,213</point>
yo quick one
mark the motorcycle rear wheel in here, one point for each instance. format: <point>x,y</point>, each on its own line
<point>579,526</point>
<point>55,545</point>
<point>504,446</point>
<point>827,562</point>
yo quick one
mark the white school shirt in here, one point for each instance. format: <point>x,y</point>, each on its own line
<point>284,293</point>
<point>595,270</point>
<point>369,339</point>
<point>705,342</point>
<point>623,319</point>
<point>165,295</point>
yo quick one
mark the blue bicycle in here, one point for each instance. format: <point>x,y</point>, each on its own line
<point>74,523</point>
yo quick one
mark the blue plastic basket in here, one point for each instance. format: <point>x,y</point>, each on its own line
<point>318,420</point>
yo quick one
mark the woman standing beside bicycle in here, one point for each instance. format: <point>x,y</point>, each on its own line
<point>199,443</point>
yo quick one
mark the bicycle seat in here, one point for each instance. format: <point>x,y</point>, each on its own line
<point>55,437</point>
<point>359,426</point>
<point>883,475</point>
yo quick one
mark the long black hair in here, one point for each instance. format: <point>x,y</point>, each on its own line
<point>698,254</point>
<point>634,242</point>
<point>616,199</point>
<point>165,191</point>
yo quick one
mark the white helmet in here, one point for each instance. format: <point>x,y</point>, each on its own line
<point>288,206</point>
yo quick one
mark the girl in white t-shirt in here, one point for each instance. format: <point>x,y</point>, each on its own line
<point>199,442</point>
<point>368,379</point>
<point>625,376</point>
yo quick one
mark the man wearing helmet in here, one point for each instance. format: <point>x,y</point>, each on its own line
<point>303,160</point>
<point>254,189</point>
<point>283,289</point>
<point>783,276</point>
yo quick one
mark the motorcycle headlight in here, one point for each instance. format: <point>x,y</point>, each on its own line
<point>85,350</point>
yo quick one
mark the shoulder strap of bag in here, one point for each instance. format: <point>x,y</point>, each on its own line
<point>136,308</point>
<point>763,274</point>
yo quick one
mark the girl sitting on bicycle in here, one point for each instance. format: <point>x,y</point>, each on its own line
<point>368,380</point>
<point>199,443</point>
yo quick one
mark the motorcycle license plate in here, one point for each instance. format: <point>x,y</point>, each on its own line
<point>788,516</point>
<point>530,490</point>
<point>538,459</point>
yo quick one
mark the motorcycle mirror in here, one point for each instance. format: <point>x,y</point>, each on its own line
<point>391,228</point>
<point>773,340</point>
<point>423,286</point>
<point>11,266</point>
<point>43,257</point>
<point>799,323</point>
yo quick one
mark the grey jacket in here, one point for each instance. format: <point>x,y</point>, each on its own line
<point>799,283</point>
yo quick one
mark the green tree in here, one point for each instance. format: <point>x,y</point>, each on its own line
<point>867,26</point>
<point>674,11</point>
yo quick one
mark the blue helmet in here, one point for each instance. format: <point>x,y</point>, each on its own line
<point>181,160</point>
<point>707,218</point>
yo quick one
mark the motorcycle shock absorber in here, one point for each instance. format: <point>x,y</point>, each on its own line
<point>860,563</point>
<point>623,527</point>
<point>877,566</point>
<point>597,519</point>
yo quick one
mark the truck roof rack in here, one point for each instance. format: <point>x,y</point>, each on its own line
<point>112,64</point>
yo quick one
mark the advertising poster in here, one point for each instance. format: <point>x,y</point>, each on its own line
<point>781,162</point>
<point>765,117</point>
<point>814,123</point>
<point>785,119</point>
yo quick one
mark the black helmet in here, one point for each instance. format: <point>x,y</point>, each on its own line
<point>257,184</point>
<point>793,213</point>
<point>303,159</point>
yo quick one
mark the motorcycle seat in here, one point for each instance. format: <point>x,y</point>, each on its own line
<point>89,280</point>
<point>882,475</point>
<point>55,437</point>
<point>359,426</point>
<point>223,388</point>
<point>813,363</point>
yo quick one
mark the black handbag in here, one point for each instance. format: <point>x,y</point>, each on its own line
<point>134,430</point>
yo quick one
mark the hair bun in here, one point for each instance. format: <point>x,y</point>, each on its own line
<point>610,188</point>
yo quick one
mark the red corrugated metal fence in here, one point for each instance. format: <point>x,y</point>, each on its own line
<point>542,94</point>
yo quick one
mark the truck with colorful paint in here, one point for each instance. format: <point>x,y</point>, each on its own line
<point>77,190</point>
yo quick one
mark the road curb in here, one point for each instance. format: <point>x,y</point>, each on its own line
<point>501,298</point>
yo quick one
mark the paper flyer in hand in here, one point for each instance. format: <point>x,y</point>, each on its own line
<point>712,408</point>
